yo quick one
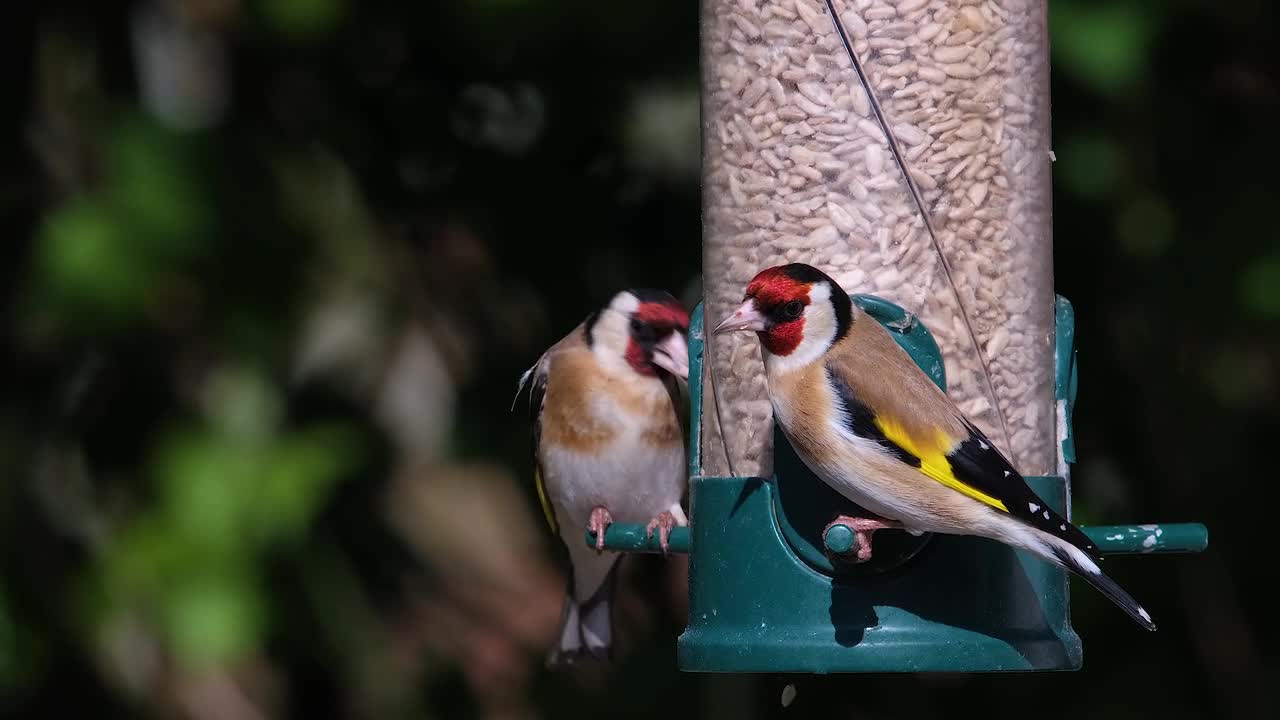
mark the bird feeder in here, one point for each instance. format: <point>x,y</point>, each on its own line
<point>771,589</point>
<point>902,146</point>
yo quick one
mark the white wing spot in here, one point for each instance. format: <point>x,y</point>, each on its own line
<point>1046,514</point>
<point>983,445</point>
<point>1063,528</point>
<point>1033,507</point>
<point>788,695</point>
<point>1006,474</point>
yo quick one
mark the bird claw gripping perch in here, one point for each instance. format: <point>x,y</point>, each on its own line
<point>599,523</point>
<point>851,536</point>
<point>663,523</point>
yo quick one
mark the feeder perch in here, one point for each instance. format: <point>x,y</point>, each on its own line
<point>768,592</point>
<point>903,149</point>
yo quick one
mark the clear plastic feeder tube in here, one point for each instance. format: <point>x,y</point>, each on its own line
<point>798,167</point>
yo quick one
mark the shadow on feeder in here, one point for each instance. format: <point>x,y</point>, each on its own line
<point>770,591</point>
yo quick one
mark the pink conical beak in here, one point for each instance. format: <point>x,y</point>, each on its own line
<point>746,317</point>
<point>672,355</point>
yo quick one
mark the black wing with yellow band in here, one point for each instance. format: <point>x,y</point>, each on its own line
<point>976,462</point>
<point>970,465</point>
<point>537,395</point>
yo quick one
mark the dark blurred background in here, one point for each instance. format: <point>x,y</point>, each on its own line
<point>274,267</point>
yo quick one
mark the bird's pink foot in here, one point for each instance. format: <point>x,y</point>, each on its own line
<point>600,521</point>
<point>663,522</point>
<point>862,530</point>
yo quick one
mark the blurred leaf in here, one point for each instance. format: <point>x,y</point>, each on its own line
<point>296,480</point>
<point>1145,227</point>
<point>663,132</point>
<point>10,652</point>
<point>242,404</point>
<point>321,195</point>
<point>1260,287</point>
<point>213,615</point>
<point>101,257</point>
<point>143,560</point>
<point>225,494</point>
<point>153,182</point>
<point>1105,46</point>
<point>228,491</point>
<point>204,479</point>
<point>85,265</point>
<point>303,19</point>
<point>1090,165</point>
<point>1240,377</point>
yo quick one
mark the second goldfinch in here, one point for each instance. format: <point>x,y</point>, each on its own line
<point>866,420</point>
<point>608,442</point>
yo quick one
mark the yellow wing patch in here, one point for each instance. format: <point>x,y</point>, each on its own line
<point>547,510</point>
<point>933,460</point>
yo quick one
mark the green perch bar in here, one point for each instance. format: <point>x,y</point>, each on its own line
<point>1110,539</point>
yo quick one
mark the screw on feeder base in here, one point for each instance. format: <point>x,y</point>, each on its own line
<point>839,539</point>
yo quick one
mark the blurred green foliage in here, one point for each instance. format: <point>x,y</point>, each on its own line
<point>1260,287</point>
<point>303,19</point>
<point>102,255</point>
<point>228,493</point>
<point>1105,45</point>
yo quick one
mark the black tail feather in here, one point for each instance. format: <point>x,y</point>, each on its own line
<point>1108,587</point>
<point>586,629</point>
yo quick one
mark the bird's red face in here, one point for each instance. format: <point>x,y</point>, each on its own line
<point>657,330</point>
<point>773,306</point>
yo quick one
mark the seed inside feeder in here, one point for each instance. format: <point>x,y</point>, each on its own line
<point>797,167</point>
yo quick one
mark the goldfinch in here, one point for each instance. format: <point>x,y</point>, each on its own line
<point>867,421</point>
<point>608,443</point>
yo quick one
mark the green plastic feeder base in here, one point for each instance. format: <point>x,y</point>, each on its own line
<point>769,591</point>
<point>960,605</point>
